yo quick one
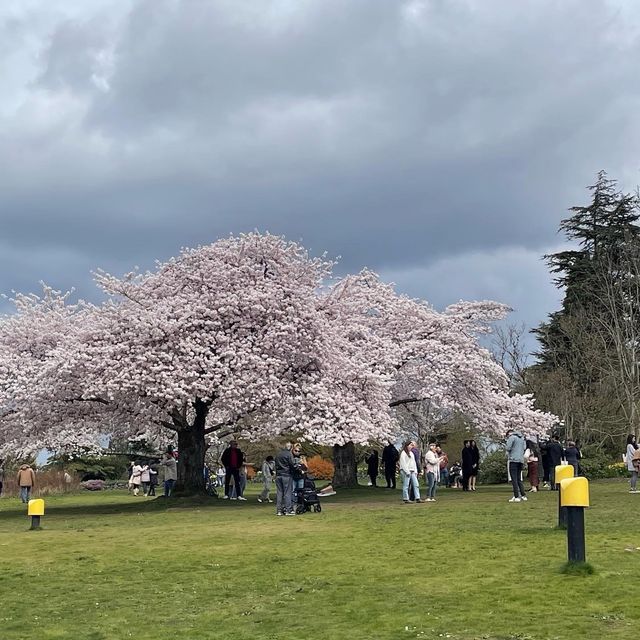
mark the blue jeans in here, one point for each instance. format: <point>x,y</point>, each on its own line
<point>25,493</point>
<point>433,485</point>
<point>168,487</point>
<point>444,477</point>
<point>413,479</point>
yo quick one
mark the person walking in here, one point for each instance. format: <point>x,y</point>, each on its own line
<point>153,479</point>
<point>555,451</point>
<point>633,461</point>
<point>475,464</point>
<point>1,476</point>
<point>515,455</point>
<point>232,459</point>
<point>409,472</point>
<point>432,471</point>
<point>372,466</point>
<point>170,472</point>
<point>531,460</point>
<point>136,478</point>
<point>268,473</point>
<point>145,479</point>
<point>390,457</point>
<point>572,455</point>
<point>467,464</point>
<point>26,481</point>
<point>285,468</point>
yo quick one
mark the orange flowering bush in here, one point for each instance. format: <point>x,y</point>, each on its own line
<point>320,468</point>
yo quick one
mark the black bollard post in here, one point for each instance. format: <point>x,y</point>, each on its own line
<point>35,523</point>
<point>576,547</point>
<point>562,511</point>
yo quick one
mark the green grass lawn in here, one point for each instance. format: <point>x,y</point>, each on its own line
<point>108,565</point>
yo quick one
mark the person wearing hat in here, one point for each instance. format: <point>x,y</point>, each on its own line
<point>26,481</point>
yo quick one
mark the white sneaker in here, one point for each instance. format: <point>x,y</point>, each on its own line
<point>260,500</point>
<point>225,498</point>
<point>269,500</point>
<point>514,500</point>
<point>524,498</point>
<point>243,498</point>
<point>233,498</point>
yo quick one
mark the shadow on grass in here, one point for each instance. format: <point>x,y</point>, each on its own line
<point>160,504</point>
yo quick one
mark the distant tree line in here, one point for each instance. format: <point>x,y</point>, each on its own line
<point>587,368</point>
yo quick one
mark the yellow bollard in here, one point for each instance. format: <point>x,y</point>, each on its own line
<point>562,472</point>
<point>575,497</point>
<point>35,509</point>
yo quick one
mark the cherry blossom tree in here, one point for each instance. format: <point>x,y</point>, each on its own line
<point>249,336</point>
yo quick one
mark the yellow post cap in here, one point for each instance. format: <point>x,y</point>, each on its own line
<point>575,492</point>
<point>564,471</point>
<point>36,507</point>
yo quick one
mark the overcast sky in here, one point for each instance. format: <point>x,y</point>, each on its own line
<point>438,142</point>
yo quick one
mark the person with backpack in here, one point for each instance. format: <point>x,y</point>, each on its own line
<point>515,448</point>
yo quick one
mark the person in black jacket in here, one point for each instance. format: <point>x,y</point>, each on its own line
<point>467,464</point>
<point>232,459</point>
<point>475,465</point>
<point>390,457</point>
<point>372,466</point>
<point>555,451</point>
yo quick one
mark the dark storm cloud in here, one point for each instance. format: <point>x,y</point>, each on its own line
<point>423,139</point>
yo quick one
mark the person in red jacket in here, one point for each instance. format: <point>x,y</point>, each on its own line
<point>232,459</point>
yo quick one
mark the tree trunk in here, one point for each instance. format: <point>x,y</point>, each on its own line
<point>344,459</point>
<point>191,451</point>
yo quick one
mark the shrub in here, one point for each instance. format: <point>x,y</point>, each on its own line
<point>493,468</point>
<point>320,468</point>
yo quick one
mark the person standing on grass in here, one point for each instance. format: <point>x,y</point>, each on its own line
<point>145,479</point>
<point>633,461</point>
<point>475,464</point>
<point>444,466</point>
<point>467,464</point>
<point>546,462</point>
<point>515,454</point>
<point>409,470</point>
<point>1,476</point>
<point>170,473</point>
<point>572,455</point>
<point>268,473</point>
<point>232,459</point>
<point>390,457</point>
<point>372,466</point>
<point>153,479</point>
<point>531,460</point>
<point>432,470</point>
<point>136,478</point>
<point>555,458</point>
<point>26,482</point>
<point>285,468</point>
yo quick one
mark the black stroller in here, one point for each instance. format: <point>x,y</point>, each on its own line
<point>306,499</point>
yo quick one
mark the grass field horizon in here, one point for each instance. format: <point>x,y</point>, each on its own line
<point>472,565</point>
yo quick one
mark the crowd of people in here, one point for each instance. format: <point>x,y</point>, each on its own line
<point>288,470</point>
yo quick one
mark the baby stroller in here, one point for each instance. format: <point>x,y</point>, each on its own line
<point>307,498</point>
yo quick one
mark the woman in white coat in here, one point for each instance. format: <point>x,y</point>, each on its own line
<point>409,472</point>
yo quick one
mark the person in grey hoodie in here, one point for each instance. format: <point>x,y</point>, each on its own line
<point>515,447</point>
